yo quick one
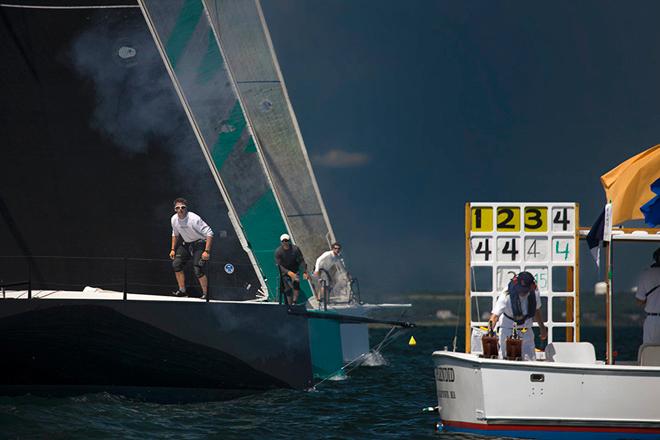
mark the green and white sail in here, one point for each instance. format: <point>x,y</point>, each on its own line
<point>193,57</point>
<point>250,56</point>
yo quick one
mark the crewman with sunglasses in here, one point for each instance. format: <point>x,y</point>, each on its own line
<point>191,237</point>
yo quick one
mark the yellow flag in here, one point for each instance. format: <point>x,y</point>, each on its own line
<point>628,185</point>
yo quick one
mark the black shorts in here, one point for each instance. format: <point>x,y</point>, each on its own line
<point>186,251</point>
<point>289,284</point>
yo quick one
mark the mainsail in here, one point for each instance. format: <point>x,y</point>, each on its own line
<point>250,56</point>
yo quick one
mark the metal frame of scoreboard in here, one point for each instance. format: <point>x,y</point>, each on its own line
<point>537,237</point>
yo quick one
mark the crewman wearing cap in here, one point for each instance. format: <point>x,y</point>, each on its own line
<point>518,306</point>
<point>648,295</point>
<point>290,260</point>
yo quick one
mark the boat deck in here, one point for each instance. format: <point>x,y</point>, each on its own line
<point>96,294</point>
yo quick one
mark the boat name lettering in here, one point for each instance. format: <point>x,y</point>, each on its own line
<point>446,394</point>
<point>444,374</point>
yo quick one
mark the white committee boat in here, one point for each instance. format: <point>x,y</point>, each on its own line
<point>567,391</point>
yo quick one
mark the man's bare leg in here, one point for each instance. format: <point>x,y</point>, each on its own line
<point>204,282</point>
<point>180,280</point>
<point>295,296</point>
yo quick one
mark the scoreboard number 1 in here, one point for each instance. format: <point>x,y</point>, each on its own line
<point>482,219</point>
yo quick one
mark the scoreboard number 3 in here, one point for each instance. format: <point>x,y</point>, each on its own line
<point>536,219</point>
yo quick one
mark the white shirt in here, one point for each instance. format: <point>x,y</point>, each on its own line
<point>190,228</point>
<point>327,260</point>
<point>503,305</point>
<point>647,280</point>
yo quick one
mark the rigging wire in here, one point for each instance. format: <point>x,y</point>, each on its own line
<point>387,340</point>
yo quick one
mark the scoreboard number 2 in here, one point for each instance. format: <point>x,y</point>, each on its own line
<point>508,219</point>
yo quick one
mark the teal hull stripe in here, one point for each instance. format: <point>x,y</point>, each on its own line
<point>185,25</point>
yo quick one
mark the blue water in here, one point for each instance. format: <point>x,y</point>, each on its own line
<point>383,401</point>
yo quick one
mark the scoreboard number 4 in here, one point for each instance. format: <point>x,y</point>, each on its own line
<point>562,219</point>
<point>481,249</point>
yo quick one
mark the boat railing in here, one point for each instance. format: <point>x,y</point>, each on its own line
<point>140,275</point>
<point>3,287</point>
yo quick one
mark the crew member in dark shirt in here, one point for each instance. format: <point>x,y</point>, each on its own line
<point>289,260</point>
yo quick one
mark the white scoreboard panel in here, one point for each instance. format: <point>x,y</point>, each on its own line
<point>540,238</point>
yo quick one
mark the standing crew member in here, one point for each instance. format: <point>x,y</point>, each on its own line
<point>648,295</point>
<point>289,259</point>
<point>191,237</point>
<point>324,265</point>
<point>518,305</point>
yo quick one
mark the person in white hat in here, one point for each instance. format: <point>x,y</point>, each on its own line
<point>289,260</point>
<point>648,295</point>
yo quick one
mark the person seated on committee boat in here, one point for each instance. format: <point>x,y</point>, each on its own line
<point>191,237</point>
<point>648,295</point>
<point>515,308</point>
<point>289,259</point>
<point>329,261</point>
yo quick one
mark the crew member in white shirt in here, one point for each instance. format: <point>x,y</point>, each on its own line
<point>517,306</point>
<point>324,264</point>
<point>648,295</point>
<point>191,237</point>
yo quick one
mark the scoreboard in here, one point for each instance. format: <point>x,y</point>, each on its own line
<point>503,239</point>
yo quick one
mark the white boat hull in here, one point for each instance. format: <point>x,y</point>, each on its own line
<point>546,399</point>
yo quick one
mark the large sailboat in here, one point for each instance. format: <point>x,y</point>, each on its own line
<point>96,144</point>
<point>267,178</point>
<point>118,107</point>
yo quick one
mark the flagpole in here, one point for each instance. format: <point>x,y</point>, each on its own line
<point>609,267</point>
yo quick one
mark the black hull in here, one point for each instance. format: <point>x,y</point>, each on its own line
<point>154,350</point>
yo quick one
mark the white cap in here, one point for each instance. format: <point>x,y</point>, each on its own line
<point>285,237</point>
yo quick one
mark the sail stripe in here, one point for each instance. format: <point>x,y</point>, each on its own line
<point>251,147</point>
<point>211,62</point>
<point>227,139</point>
<point>262,231</point>
<point>185,25</point>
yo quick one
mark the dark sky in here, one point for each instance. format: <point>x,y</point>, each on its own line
<point>411,109</point>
